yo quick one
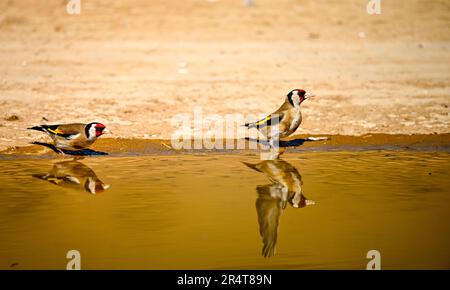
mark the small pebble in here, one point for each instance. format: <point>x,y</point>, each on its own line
<point>12,118</point>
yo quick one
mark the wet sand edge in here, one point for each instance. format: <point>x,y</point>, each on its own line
<point>136,147</point>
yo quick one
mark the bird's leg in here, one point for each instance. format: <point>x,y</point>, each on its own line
<point>274,144</point>
<point>59,151</point>
<point>271,145</point>
<point>274,148</point>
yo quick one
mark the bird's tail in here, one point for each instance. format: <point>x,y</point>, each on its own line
<point>37,128</point>
<point>51,146</point>
<point>252,166</point>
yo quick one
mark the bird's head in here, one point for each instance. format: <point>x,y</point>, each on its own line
<point>95,130</point>
<point>297,96</point>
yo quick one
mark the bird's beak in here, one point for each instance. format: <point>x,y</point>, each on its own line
<point>106,131</point>
<point>309,95</point>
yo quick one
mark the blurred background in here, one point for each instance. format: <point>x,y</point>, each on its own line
<point>134,64</point>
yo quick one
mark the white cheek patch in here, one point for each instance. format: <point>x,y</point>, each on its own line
<point>91,185</point>
<point>296,99</point>
<point>92,133</point>
<point>296,200</point>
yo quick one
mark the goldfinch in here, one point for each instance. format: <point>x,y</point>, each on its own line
<point>73,136</point>
<point>285,187</point>
<point>75,175</point>
<point>287,118</point>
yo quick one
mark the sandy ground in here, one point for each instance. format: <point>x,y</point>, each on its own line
<point>135,64</point>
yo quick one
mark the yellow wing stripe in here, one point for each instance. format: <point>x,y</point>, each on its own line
<point>55,180</point>
<point>57,131</point>
<point>264,120</point>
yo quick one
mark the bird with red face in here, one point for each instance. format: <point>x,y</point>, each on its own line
<point>76,136</point>
<point>284,121</point>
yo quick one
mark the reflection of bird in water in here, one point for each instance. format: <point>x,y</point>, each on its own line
<point>74,174</point>
<point>286,187</point>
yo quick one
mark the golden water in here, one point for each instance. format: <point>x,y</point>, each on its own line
<point>312,210</point>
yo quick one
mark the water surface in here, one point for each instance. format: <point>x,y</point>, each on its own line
<point>322,210</point>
